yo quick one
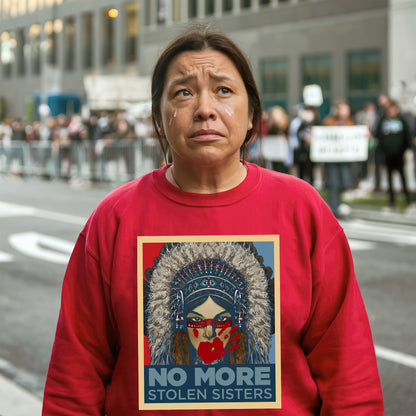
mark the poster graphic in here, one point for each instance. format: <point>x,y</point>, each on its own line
<point>209,322</point>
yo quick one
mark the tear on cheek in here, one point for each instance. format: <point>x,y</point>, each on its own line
<point>196,333</point>
<point>171,118</point>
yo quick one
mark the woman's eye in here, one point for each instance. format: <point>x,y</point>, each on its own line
<point>183,93</point>
<point>224,90</point>
<point>195,319</point>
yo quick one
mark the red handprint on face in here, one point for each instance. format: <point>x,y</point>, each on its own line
<point>210,351</point>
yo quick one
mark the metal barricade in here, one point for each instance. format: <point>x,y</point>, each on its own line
<point>110,161</point>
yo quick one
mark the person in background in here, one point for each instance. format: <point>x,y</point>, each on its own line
<point>379,162</point>
<point>309,117</point>
<point>394,139</point>
<point>338,175</point>
<point>367,117</point>
<point>278,126</point>
<point>206,109</point>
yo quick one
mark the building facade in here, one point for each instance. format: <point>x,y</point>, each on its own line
<point>353,49</point>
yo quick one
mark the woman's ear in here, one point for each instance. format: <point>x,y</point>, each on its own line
<point>250,119</point>
<point>159,126</point>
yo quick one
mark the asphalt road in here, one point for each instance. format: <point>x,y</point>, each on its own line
<point>39,222</point>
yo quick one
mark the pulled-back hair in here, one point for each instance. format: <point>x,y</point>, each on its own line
<point>200,38</point>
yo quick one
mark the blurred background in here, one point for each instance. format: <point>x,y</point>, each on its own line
<point>75,123</point>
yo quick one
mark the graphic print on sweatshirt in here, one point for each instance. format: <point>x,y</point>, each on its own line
<point>209,322</point>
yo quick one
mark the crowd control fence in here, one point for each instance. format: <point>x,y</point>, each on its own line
<point>115,161</point>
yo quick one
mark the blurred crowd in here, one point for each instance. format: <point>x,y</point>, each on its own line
<point>391,143</point>
<point>391,139</point>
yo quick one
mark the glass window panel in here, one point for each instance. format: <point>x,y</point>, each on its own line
<point>34,34</point>
<point>87,40</point>
<point>274,81</point>
<point>7,53</point>
<point>227,5</point>
<point>161,11</point>
<point>20,52</point>
<point>192,8</point>
<point>69,32</point>
<point>131,32</point>
<point>209,7</point>
<point>245,4</point>
<point>317,70</point>
<point>51,43</point>
<point>107,38</point>
<point>364,69</point>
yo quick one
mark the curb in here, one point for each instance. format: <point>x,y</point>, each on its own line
<point>385,215</point>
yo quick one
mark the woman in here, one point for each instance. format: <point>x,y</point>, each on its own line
<point>338,175</point>
<point>206,107</point>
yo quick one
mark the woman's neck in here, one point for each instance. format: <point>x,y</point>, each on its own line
<point>206,180</point>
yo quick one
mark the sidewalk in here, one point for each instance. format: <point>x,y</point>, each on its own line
<point>16,401</point>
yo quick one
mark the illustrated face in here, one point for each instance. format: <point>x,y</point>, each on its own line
<point>210,330</point>
<point>204,108</point>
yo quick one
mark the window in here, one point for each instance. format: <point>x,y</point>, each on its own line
<point>274,81</point>
<point>51,42</point>
<point>69,32</point>
<point>209,7</point>
<point>131,31</point>
<point>364,77</point>
<point>34,34</point>
<point>192,8</point>
<point>161,11</point>
<point>8,45</point>
<point>20,52</point>
<point>108,38</point>
<point>317,70</point>
<point>245,4</point>
<point>227,5</point>
<point>87,40</point>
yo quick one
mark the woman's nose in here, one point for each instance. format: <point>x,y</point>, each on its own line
<point>209,331</point>
<point>205,107</point>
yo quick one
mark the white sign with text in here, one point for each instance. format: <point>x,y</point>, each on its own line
<point>339,144</point>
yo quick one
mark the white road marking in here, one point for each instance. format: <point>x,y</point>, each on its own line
<point>41,246</point>
<point>14,210</point>
<point>5,257</point>
<point>395,356</point>
<point>358,245</point>
<point>380,232</point>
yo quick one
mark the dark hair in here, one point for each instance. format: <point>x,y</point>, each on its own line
<point>198,39</point>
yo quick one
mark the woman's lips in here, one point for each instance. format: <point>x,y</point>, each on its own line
<point>206,135</point>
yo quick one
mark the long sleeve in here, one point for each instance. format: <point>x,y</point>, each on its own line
<point>337,341</point>
<point>83,353</point>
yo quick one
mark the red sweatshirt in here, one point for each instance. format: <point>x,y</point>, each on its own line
<point>328,365</point>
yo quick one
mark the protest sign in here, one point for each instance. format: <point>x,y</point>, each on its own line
<point>339,144</point>
<point>275,148</point>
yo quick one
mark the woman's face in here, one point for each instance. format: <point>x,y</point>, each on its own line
<point>210,330</point>
<point>204,108</point>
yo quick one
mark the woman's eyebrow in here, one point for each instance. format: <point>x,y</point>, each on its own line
<point>182,80</point>
<point>195,313</point>
<point>190,78</point>
<point>220,77</point>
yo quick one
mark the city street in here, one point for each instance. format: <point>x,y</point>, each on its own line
<point>39,224</point>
